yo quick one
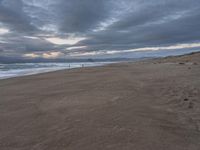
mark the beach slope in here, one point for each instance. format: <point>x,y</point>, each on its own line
<point>147,105</point>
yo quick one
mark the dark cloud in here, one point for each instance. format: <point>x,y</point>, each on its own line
<point>13,16</point>
<point>82,16</point>
<point>150,27</point>
<point>105,24</point>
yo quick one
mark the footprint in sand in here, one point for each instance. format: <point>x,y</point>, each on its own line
<point>115,99</point>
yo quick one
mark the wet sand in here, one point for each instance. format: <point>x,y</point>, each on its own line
<point>147,105</point>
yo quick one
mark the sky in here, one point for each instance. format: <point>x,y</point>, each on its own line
<point>54,29</point>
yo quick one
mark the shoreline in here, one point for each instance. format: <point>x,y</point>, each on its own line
<point>54,69</point>
<point>49,70</point>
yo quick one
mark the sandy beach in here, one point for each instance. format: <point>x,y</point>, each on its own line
<point>147,105</point>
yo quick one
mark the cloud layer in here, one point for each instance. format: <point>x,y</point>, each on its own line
<point>68,28</point>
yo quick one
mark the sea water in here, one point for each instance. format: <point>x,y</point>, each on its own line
<point>23,69</point>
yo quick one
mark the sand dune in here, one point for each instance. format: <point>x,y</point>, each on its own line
<point>148,105</point>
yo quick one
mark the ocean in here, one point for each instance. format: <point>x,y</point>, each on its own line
<point>24,69</point>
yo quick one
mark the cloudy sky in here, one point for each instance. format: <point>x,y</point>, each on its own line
<point>97,28</point>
